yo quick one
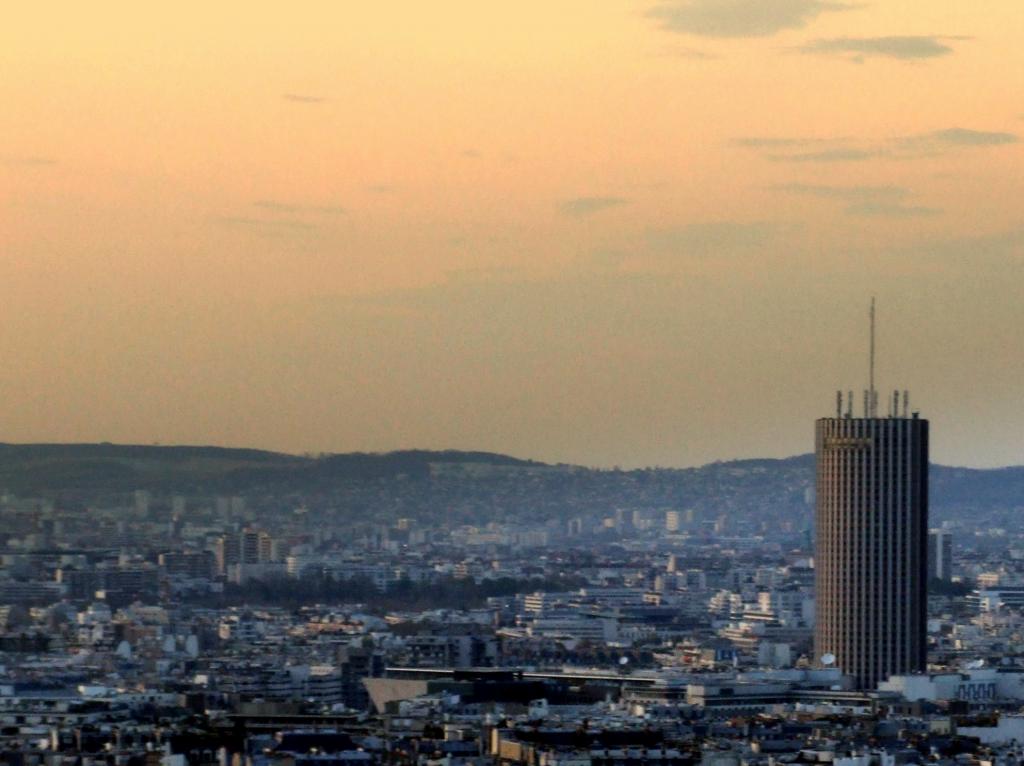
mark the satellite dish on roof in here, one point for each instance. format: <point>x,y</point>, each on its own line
<point>828,659</point>
<point>623,660</point>
<point>975,664</point>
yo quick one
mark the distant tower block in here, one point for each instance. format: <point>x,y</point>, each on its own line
<point>940,555</point>
<point>141,499</point>
<point>672,521</point>
<point>871,551</point>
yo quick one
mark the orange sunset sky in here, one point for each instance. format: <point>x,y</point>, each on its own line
<point>609,232</point>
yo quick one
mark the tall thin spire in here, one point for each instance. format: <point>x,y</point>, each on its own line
<point>872,404</point>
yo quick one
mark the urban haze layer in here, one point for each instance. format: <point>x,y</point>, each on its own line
<point>195,605</point>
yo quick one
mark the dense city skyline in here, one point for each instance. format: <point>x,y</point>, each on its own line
<point>632,233</point>
<point>619,383</point>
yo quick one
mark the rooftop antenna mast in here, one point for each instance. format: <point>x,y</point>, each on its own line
<point>872,403</point>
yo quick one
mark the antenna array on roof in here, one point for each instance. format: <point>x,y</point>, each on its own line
<point>870,393</point>
<point>871,408</point>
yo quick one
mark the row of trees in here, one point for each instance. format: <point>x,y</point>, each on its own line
<point>320,588</point>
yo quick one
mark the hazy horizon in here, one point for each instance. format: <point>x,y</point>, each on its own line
<point>499,453</point>
<point>636,232</point>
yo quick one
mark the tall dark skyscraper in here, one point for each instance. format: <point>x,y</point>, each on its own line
<point>872,537</point>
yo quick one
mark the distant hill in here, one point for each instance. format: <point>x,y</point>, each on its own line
<point>474,487</point>
<point>40,468</point>
<point>988,498</point>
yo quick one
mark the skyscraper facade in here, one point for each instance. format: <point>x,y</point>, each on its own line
<point>871,547</point>
<point>940,555</point>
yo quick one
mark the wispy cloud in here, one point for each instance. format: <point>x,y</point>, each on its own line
<point>303,98</point>
<point>686,52</point>
<point>485,274</point>
<point>780,142</point>
<point>264,224</point>
<point>739,18</point>
<point>807,148</point>
<point>892,210</point>
<point>581,206</point>
<point>872,201</point>
<point>298,209</point>
<point>711,238</point>
<point>906,47</point>
<point>828,155</point>
<point>835,150</point>
<point>842,192</point>
<point>958,137</point>
<point>32,161</point>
